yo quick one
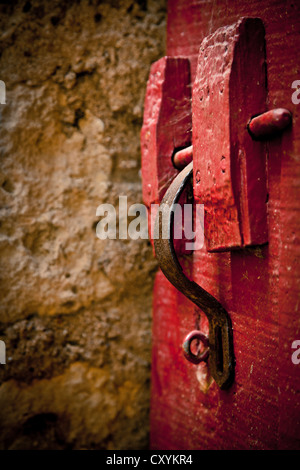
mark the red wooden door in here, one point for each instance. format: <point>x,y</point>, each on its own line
<point>253,271</point>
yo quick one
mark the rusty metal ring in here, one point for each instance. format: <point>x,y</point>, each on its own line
<point>186,346</point>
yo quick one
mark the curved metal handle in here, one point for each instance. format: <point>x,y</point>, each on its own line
<point>221,359</point>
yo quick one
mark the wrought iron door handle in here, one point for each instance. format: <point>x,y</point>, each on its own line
<point>221,359</point>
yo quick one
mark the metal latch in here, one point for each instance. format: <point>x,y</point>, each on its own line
<point>221,360</point>
<point>212,131</point>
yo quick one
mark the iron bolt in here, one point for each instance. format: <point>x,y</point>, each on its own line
<point>183,157</point>
<point>269,124</point>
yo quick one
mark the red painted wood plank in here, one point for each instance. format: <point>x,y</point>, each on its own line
<point>229,167</point>
<point>167,124</point>
<point>258,286</point>
<point>166,127</point>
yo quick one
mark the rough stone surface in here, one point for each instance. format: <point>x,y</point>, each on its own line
<point>75,310</point>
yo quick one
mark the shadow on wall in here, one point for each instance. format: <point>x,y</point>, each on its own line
<point>75,310</point>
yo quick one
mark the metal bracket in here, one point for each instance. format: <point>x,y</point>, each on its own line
<point>221,359</point>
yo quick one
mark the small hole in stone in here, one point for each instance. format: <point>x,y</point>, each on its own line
<point>8,186</point>
<point>98,17</point>
<point>54,20</point>
<point>79,114</point>
<point>26,7</point>
<point>142,4</point>
<point>39,423</point>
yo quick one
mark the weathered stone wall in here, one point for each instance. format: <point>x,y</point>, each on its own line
<point>75,310</point>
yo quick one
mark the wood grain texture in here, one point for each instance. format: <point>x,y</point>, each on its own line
<point>258,286</point>
<point>167,126</point>
<point>229,167</point>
